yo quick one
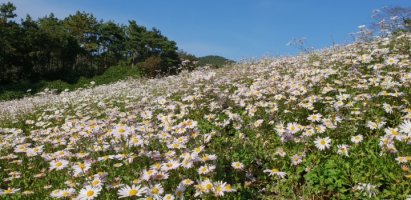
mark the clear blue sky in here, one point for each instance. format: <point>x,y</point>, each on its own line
<point>235,29</point>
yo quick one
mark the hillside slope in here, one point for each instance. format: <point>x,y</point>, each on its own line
<point>329,124</point>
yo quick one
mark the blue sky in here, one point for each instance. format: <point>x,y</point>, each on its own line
<point>236,29</point>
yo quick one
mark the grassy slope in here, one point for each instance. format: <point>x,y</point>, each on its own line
<point>344,86</point>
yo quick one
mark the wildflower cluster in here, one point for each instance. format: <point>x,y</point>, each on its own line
<point>329,124</point>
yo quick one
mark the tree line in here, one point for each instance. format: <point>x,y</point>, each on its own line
<point>79,45</point>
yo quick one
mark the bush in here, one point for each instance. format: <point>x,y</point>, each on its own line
<point>152,66</point>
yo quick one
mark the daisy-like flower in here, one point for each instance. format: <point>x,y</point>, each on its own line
<point>207,186</point>
<point>187,182</point>
<point>55,194</point>
<point>296,159</point>
<point>160,176</point>
<point>322,143</point>
<point>156,191</point>
<point>280,151</point>
<point>180,191</point>
<point>81,168</point>
<point>391,60</point>
<point>387,108</point>
<point>168,197</point>
<point>97,182</point>
<point>133,191</point>
<point>275,171</point>
<point>8,191</point>
<point>208,157</point>
<point>357,139</point>
<point>258,123</point>
<point>342,149</point>
<point>65,193</point>
<point>293,127</point>
<point>88,193</point>
<point>147,174</point>
<point>392,132</point>
<point>405,127</point>
<point>206,169</point>
<point>402,159</point>
<point>237,165</point>
<point>171,164</point>
<point>372,125</point>
<point>315,117</point>
<point>219,189</point>
<point>58,164</point>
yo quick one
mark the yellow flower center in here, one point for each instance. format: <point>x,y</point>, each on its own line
<point>8,191</point>
<point>95,182</point>
<point>209,186</point>
<point>394,132</point>
<point>155,190</point>
<point>218,189</point>
<point>90,193</point>
<point>59,164</point>
<point>133,192</point>
<point>228,187</point>
<point>322,142</point>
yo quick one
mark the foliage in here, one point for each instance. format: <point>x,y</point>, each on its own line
<point>78,45</point>
<point>213,61</point>
<point>112,74</point>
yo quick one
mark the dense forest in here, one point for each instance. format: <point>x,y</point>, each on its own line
<point>79,45</point>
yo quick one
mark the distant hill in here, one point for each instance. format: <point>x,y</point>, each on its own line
<point>213,60</point>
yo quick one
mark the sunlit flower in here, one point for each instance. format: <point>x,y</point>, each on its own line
<point>356,139</point>
<point>322,143</point>
<point>58,164</point>
<point>405,127</point>
<point>9,191</point>
<point>88,193</point>
<point>133,191</point>
<point>342,149</point>
<point>237,165</point>
<point>275,171</point>
<point>155,191</point>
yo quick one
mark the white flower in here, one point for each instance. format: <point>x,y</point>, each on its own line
<point>356,139</point>
<point>237,165</point>
<point>81,168</point>
<point>322,143</point>
<point>315,117</point>
<point>133,191</point>
<point>58,164</point>
<point>405,127</point>
<point>8,191</point>
<point>342,149</point>
<point>168,197</point>
<point>275,171</point>
<point>220,188</point>
<point>88,193</point>
<point>156,191</point>
<point>206,169</point>
<point>293,127</point>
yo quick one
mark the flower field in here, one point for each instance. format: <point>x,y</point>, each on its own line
<point>331,124</point>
